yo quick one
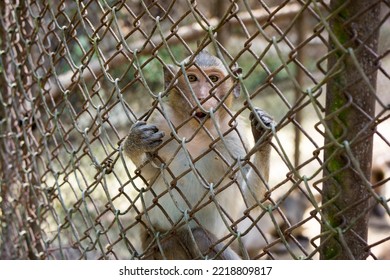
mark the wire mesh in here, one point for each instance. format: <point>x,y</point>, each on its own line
<point>76,75</point>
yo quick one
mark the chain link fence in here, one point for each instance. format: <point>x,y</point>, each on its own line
<point>76,75</point>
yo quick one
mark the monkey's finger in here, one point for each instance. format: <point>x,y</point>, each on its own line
<point>258,112</point>
<point>263,116</point>
<point>155,143</point>
<point>267,120</point>
<point>151,134</point>
<point>260,126</point>
<point>155,136</point>
<point>155,140</point>
<point>148,128</point>
<point>138,124</point>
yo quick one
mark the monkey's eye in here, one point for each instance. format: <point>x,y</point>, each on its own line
<point>214,78</point>
<point>192,78</point>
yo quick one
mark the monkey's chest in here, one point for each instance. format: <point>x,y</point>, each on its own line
<point>194,183</point>
<point>202,166</point>
<point>196,174</point>
<point>202,162</point>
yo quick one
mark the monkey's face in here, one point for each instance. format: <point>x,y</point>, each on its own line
<point>205,90</point>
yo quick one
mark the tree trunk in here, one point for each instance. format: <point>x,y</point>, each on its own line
<point>350,110</point>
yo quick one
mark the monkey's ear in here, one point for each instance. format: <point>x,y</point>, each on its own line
<point>236,90</point>
<point>169,74</point>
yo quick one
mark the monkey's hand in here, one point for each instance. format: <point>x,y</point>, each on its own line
<point>258,129</point>
<point>142,138</point>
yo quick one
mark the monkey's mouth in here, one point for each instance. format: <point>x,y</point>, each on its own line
<point>200,115</point>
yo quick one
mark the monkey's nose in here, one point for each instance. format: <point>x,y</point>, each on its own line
<point>200,115</point>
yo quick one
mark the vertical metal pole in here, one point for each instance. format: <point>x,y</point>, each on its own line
<point>350,109</point>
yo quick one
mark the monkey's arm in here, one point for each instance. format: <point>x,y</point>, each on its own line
<point>180,246</point>
<point>261,160</point>
<point>142,140</point>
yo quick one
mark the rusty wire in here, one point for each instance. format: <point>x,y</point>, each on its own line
<point>75,75</point>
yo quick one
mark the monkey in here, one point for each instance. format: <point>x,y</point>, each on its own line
<point>190,244</point>
<point>202,194</point>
